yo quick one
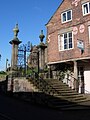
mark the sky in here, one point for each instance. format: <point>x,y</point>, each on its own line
<point>31,16</point>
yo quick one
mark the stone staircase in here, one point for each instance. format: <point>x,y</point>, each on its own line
<point>56,94</point>
<point>65,92</point>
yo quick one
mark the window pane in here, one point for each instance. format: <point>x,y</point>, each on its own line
<point>65,41</point>
<point>65,36</point>
<point>89,7</point>
<point>70,35</point>
<point>69,15</point>
<point>85,8</point>
<point>70,40</point>
<point>70,45</point>
<point>65,46</point>
<point>64,17</point>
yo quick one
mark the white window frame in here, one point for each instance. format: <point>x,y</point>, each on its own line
<point>83,9</point>
<point>66,16</point>
<point>89,33</point>
<point>61,44</point>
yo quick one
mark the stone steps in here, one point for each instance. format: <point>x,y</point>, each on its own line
<point>57,94</point>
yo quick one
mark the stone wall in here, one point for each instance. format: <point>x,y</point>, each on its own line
<point>21,85</point>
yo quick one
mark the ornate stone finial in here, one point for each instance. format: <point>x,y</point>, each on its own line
<point>41,36</point>
<point>16,30</point>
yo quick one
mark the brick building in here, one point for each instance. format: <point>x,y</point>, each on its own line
<point>68,39</point>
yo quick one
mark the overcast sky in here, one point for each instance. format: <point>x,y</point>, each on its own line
<point>31,16</point>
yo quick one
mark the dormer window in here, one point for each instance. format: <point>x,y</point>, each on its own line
<point>86,8</point>
<point>66,16</point>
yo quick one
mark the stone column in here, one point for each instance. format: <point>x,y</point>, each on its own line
<point>15,42</point>
<point>49,72</point>
<point>42,47</point>
<point>42,58</point>
<point>14,55</point>
<point>76,85</point>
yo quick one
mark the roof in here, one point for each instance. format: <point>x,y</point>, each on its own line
<point>55,12</point>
